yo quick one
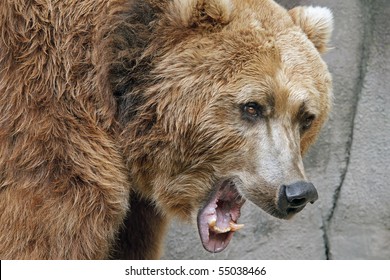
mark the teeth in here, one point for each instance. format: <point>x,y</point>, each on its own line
<point>220,230</point>
<point>232,226</point>
<point>235,227</point>
<point>212,222</point>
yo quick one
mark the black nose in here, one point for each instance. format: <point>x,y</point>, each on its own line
<point>294,197</point>
<point>300,193</point>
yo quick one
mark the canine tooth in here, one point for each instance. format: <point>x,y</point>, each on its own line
<point>212,222</point>
<point>235,227</point>
<point>220,230</point>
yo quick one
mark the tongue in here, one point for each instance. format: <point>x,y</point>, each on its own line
<point>217,220</point>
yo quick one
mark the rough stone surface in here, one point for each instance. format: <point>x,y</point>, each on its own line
<point>350,163</point>
<point>360,227</point>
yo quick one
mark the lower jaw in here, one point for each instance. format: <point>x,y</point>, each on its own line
<point>226,198</point>
<point>216,248</point>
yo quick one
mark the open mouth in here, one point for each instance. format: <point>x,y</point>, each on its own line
<point>217,220</point>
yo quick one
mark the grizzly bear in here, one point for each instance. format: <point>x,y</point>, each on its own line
<point>117,115</point>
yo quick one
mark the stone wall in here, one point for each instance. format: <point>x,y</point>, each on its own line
<point>350,163</point>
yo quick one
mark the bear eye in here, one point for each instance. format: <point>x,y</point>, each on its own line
<point>251,110</point>
<point>307,122</point>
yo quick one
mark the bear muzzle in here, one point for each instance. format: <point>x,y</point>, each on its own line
<point>294,197</point>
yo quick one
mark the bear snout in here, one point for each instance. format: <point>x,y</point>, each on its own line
<point>294,197</point>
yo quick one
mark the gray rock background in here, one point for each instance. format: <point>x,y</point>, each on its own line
<point>350,163</point>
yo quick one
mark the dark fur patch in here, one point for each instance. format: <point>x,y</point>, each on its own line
<point>132,242</point>
<point>129,69</point>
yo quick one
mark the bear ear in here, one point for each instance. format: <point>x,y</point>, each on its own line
<point>316,22</point>
<point>206,14</point>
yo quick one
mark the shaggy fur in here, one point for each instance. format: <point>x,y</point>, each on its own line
<point>114,102</point>
<point>63,185</point>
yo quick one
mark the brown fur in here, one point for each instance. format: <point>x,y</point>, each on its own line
<point>100,97</point>
<point>141,237</point>
<point>63,187</point>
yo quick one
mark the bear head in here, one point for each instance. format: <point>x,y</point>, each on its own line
<point>232,94</point>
